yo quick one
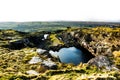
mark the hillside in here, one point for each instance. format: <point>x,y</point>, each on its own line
<point>51,26</point>
<point>27,55</point>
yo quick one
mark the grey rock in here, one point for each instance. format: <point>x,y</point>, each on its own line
<point>32,72</point>
<point>40,51</point>
<point>101,61</point>
<point>35,60</point>
<point>46,36</point>
<point>49,64</point>
<point>53,53</point>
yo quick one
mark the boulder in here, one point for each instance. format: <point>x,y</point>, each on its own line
<point>40,51</point>
<point>49,64</point>
<point>100,62</point>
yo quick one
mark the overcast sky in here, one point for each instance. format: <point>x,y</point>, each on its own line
<point>60,10</point>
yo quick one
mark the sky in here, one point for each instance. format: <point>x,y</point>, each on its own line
<point>59,10</point>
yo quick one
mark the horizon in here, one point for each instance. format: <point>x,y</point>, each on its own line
<point>60,21</point>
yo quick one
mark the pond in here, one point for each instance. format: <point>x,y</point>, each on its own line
<point>72,55</point>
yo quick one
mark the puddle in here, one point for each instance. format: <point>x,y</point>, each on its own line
<point>72,55</point>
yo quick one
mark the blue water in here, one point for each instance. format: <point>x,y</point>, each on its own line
<point>71,55</point>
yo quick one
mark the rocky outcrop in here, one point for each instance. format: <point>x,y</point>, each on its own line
<point>102,62</point>
<point>100,44</point>
<point>96,41</point>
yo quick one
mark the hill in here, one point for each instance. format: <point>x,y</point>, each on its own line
<point>51,26</point>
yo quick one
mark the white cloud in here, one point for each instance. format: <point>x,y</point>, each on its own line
<point>47,10</point>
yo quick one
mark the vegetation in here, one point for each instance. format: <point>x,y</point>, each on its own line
<point>14,63</point>
<point>55,40</point>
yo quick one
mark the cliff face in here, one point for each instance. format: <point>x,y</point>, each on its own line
<point>103,43</point>
<point>96,41</point>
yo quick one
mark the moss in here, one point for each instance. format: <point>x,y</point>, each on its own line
<point>17,60</point>
<point>29,56</point>
<point>117,75</point>
<point>116,54</point>
<point>116,58</point>
<point>55,40</point>
<point>91,69</point>
<point>17,77</point>
<point>42,78</point>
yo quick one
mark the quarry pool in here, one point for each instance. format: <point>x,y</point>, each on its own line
<point>72,55</point>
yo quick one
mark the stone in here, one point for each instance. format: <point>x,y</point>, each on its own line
<point>53,54</point>
<point>100,62</point>
<point>18,44</point>
<point>49,64</point>
<point>72,33</point>
<point>46,36</point>
<point>32,72</point>
<point>40,51</point>
<point>35,60</point>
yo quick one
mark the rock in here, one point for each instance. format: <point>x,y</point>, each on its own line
<point>49,64</point>
<point>101,61</point>
<point>35,60</point>
<point>9,38</point>
<point>40,51</point>
<point>26,41</point>
<point>17,44</point>
<point>46,36</point>
<point>72,33</point>
<point>20,43</point>
<point>46,65</point>
<point>32,72</point>
<point>42,39</point>
<point>53,54</point>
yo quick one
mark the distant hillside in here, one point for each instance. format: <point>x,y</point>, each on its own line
<point>41,26</point>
